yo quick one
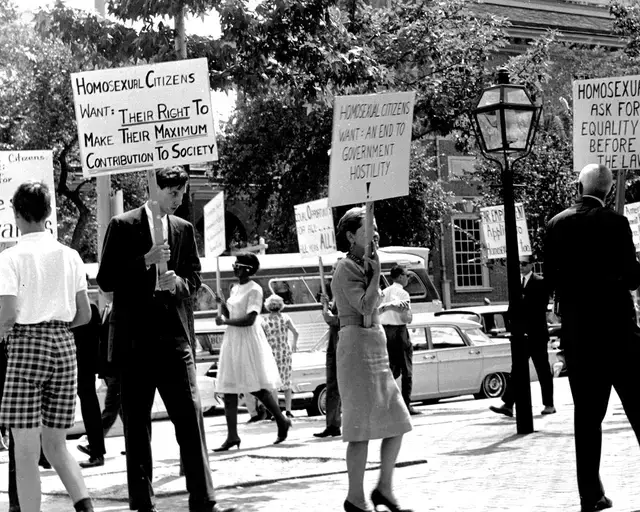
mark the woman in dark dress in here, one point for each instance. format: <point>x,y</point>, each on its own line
<point>372,405</point>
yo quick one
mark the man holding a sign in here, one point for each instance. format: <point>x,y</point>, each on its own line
<point>152,320</point>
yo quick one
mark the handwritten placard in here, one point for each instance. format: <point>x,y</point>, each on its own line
<point>606,122</point>
<point>632,213</point>
<point>314,224</point>
<point>214,233</point>
<point>370,147</point>
<point>16,167</point>
<point>493,231</point>
<point>144,117</point>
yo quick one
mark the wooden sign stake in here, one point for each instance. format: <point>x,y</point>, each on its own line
<point>323,285</point>
<point>368,249</point>
<point>158,235</point>
<point>218,286</point>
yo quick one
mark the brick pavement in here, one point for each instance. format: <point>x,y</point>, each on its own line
<point>476,462</point>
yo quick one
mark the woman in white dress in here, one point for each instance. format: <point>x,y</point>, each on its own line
<point>246,359</point>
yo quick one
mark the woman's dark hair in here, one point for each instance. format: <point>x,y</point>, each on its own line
<point>32,201</point>
<point>171,177</point>
<point>249,259</point>
<point>349,223</point>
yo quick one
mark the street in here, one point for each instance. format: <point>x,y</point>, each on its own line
<point>459,457</point>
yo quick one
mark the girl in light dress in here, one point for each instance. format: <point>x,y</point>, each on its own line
<point>246,361</point>
<point>276,326</point>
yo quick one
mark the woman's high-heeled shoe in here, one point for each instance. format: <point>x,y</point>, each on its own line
<point>380,499</point>
<point>227,445</point>
<point>283,431</point>
<point>350,507</point>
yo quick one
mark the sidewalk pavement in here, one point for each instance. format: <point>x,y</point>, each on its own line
<point>459,457</point>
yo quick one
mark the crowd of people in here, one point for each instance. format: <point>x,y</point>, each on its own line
<point>55,342</point>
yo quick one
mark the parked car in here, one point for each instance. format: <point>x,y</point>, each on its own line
<point>452,357</point>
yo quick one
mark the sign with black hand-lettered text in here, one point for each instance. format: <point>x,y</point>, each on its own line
<point>632,213</point>
<point>314,224</point>
<point>606,122</point>
<point>370,147</point>
<point>144,117</point>
<point>16,167</point>
<point>494,235</point>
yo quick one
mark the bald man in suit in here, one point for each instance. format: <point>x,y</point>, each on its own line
<point>591,266</point>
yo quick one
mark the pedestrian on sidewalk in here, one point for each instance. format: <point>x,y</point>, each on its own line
<point>372,406</point>
<point>276,327</point>
<point>43,294</point>
<point>333,416</point>
<point>87,340</point>
<point>591,265</point>
<point>395,314</point>
<point>246,360</point>
<point>532,317</point>
<point>153,337</point>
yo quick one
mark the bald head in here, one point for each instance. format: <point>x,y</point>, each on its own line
<point>595,180</point>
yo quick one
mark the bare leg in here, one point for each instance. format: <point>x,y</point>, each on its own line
<point>287,399</point>
<point>54,443</point>
<point>27,453</point>
<point>231,415</point>
<point>356,464</point>
<point>389,450</point>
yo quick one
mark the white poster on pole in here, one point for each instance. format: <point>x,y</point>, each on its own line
<point>606,122</point>
<point>632,213</point>
<point>214,233</point>
<point>314,224</point>
<point>493,231</point>
<point>16,167</point>
<point>370,147</point>
<point>144,117</point>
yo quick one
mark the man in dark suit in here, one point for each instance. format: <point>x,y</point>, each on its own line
<point>152,323</point>
<point>591,265</point>
<point>532,316</point>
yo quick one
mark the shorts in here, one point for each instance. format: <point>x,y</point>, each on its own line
<point>40,386</point>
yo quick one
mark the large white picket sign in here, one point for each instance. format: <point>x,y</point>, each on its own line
<point>16,167</point>
<point>370,147</point>
<point>144,117</point>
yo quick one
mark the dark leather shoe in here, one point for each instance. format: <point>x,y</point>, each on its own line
<point>329,432</point>
<point>148,509</point>
<point>413,412</point>
<point>507,411</point>
<point>84,448</point>
<point>93,462</point>
<point>601,504</point>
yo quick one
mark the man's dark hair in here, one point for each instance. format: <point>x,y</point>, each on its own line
<point>397,271</point>
<point>171,177</point>
<point>32,201</point>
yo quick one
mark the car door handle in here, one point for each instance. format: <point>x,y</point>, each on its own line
<point>429,356</point>
<point>476,351</point>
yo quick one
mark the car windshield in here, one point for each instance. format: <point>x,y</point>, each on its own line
<point>477,337</point>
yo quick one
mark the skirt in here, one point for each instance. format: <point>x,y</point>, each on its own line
<point>246,362</point>
<point>372,405</point>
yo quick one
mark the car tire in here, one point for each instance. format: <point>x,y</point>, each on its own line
<point>319,405</point>
<point>493,386</point>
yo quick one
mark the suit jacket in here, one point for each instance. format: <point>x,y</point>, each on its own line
<point>123,272</point>
<point>590,263</point>
<point>535,299</point>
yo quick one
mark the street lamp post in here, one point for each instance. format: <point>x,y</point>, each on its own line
<point>505,120</point>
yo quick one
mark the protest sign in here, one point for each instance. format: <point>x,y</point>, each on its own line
<point>632,213</point>
<point>314,224</point>
<point>144,117</point>
<point>370,147</point>
<point>606,122</point>
<point>493,231</point>
<point>215,242</point>
<point>16,167</point>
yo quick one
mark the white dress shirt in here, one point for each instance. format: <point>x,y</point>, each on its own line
<point>391,294</point>
<point>525,278</point>
<point>165,224</point>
